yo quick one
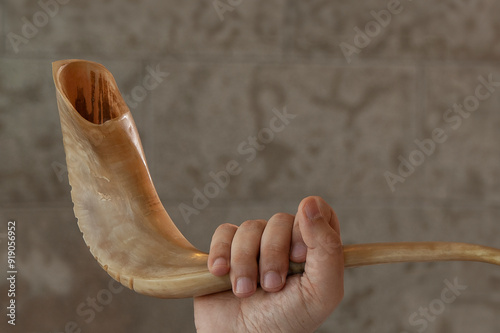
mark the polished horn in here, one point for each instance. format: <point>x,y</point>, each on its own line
<point>122,219</point>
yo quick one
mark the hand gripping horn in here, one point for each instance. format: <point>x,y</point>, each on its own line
<point>122,219</point>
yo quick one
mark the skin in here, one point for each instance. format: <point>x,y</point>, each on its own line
<point>260,250</point>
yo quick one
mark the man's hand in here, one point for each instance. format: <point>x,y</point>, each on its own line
<point>260,251</point>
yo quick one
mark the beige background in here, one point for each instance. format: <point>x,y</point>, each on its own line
<point>352,122</point>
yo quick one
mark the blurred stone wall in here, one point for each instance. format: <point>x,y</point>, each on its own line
<point>395,125</point>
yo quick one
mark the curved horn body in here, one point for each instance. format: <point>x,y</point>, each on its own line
<point>119,213</point>
<point>121,217</point>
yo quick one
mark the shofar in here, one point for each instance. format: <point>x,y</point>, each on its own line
<point>122,219</point>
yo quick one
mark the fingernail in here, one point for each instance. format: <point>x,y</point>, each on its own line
<point>244,285</point>
<point>299,250</point>
<point>220,262</point>
<point>272,280</point>
<point>312,210</point>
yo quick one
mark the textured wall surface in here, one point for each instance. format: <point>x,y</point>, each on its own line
<point>362,90</point>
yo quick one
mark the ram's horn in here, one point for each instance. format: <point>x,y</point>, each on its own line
<point>119,213</point>
<point>121,217</point>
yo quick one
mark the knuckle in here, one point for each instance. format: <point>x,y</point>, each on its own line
<point>253,224</point>
<point>226,226</point>
<point>332,243</point>
<point>243,257</point>
<point>221,247</point>
<point>282,217</point>
<point>275,248</point>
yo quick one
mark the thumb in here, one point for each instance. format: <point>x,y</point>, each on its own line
<point>319,228</point>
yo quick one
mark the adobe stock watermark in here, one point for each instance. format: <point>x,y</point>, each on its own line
<point>221,7</point>
<point>11,272</point>
<point>30,28</point>
<point>372,29</point>
<point>453,118</point>
<point>60,169</point>
<point>87,310</point>
<point>150,82</point>
<point>247,148</point>
<point>421,319</point>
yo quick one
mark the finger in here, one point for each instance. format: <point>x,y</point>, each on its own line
<point>220,249</point>
<point>320,231</point>
<point>298,248</point>
<point>244,253</point>
<point>275,252</point>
